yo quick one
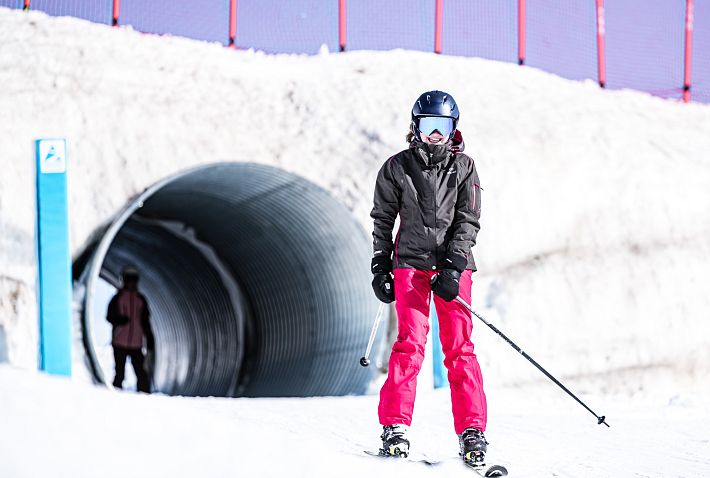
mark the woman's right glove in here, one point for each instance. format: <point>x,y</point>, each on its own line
<point>446,284</point>
<point>383,285</point>
<point>382,282</point>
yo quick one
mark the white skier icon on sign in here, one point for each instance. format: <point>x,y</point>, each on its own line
<point>52,155</point>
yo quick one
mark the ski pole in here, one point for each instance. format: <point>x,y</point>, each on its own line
<point>600,420</point>
<point>365,361</point>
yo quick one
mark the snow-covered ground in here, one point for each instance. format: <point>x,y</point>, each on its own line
<point>52,427</point>
<point>593,255</point>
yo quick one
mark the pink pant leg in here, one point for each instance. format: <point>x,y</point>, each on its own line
<point>468,401</point>
<point>412,294</point>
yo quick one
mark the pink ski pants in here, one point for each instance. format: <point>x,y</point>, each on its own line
<point>412,294</point>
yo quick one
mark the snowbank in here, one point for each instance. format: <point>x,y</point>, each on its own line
<point>593,252</point>
<point>52,427</point>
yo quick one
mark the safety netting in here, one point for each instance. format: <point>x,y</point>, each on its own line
<point>645,41</point>
<point>12,3</point>
<point>98,11</point>
<point>701,53</point>
<point>645,45</point>
<point>377,25</point>
<point>198,19</point>
<point>295,26</point>
<point>481,28</point>
<point>561,38</point>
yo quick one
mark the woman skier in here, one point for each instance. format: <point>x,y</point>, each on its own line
<point>434,188</point>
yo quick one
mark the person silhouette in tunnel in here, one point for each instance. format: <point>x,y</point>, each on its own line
<point>129,314</point>
<point>434,189</point>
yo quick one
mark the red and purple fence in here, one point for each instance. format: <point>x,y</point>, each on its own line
<point>648,46</point>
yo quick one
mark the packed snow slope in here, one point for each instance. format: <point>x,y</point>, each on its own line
<point>52,427</point>
<point>594,251</point>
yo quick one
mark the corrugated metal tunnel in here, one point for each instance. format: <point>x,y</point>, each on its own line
<point>258,283</point>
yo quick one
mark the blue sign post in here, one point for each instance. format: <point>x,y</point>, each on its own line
<point>53,257</point>
<point>440,373</point>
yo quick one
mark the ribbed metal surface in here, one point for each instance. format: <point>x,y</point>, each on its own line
<point>199,328</point>
<point>302,317</point>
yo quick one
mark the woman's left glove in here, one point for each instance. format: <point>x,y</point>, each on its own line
<point>446,284</point>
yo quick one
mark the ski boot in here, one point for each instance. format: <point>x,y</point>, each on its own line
<point>394,441</point>
<point>473,447</point>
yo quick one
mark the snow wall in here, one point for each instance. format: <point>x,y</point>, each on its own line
<point>593,253</point>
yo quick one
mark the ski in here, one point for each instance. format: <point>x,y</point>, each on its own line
<point>489,471</point>
<point>414,458</point>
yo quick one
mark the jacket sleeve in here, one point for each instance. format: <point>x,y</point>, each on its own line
<point>466,219</point>
<point>385,210</point>
<point>145,323</point>
<point>112,312</point>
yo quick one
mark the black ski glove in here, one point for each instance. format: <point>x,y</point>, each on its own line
<point>383,285</point>
<point>122,320</point>
<point>446,284</point>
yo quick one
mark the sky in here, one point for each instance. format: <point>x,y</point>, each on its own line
<point>645,40</point>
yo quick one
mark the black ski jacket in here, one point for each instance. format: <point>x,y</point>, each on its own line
<point>437,194</point>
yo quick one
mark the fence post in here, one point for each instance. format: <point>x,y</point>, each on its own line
<point>116,12</point>
<point>232,23</point>
<point>438,26</point>
<point>521,32</point>
<point>688,48</point>
<point>342,27</point>
<point>601,46</point>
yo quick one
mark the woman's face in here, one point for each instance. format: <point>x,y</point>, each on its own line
<point>434,138</point>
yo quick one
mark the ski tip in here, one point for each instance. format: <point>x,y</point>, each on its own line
<point>417,458</point>
<point>496,470</point>
<point>377,453</point>
<point>489,471</point>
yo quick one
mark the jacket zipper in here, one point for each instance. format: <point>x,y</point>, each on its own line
<point>436,210</point>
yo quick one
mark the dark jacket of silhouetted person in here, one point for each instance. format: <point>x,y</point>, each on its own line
<point>129,314</point>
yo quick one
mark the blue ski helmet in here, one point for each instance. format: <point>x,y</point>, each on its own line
<point>435,104</point>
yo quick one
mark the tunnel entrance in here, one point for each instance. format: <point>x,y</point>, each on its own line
<point>257,281</point>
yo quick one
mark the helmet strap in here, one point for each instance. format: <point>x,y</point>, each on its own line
<point>414,130</point>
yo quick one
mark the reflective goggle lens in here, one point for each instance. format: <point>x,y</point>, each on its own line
<point>429,124</point>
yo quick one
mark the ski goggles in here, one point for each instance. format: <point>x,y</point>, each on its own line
<point>428,124</point>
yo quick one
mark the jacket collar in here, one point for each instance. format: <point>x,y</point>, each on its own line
<point>432,155</point>
<point>457,143</point>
